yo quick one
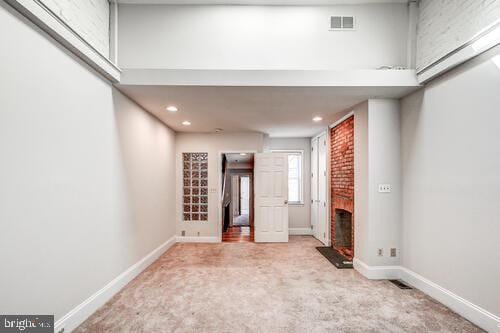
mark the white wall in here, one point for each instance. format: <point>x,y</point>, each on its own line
<point>361,213</point>
<point>377,161</point>
<point>445,25</point>
<point>451,182</point>
<point>213,144</point>
<point>89,18</point>
<point>260,37</point>
<point>384,168</point>
<point>299,216</point>
<point>86,176</point>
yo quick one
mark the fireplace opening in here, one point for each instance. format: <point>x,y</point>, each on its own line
<point>342,240</point>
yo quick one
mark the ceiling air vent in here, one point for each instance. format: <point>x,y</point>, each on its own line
<point>342,23</point>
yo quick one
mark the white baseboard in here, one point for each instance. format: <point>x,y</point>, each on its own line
<point>463,307</point>
<point>299,231</point>
<point>472,312</point>
<point>75,317</point>
<point>376,272</point>
<point>197,239</point>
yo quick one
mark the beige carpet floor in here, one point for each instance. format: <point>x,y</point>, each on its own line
<point>247,287</point>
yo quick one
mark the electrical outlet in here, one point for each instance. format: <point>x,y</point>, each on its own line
<point>183,232</point>
<point>384,188</point>
<point>198,233</point>
<point>380,252</point>
<point>393,251</point>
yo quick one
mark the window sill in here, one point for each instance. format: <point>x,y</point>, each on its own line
<point>296,204</point>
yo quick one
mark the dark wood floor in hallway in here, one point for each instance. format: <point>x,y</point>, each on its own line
<point>238,234</point>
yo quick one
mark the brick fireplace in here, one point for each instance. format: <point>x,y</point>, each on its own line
<point>342,187</point>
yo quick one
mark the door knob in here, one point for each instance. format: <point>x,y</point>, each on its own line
<point>286,202</point>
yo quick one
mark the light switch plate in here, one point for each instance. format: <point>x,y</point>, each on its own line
<point>384,188</point>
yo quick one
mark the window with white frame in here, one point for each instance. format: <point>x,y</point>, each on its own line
<point>295,176</point>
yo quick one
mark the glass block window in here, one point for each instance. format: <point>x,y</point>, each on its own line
<point>195,190</point>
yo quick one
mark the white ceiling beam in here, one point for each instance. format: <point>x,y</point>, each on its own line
<point>270,78</point>
<point>259,2</point>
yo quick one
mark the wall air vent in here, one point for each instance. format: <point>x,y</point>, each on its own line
<point>342,23</point>
<point>336,22</point>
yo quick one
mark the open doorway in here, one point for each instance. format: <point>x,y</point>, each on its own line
<point>237,197</point>
<point>240,185</point>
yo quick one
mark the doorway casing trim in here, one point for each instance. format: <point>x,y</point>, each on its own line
<point>219,186</point>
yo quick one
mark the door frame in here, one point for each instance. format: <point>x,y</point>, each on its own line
<point>219,186</point>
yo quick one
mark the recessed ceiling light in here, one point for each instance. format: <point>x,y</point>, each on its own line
<point>243,154</point>
<point>317,118</point>
<point>186,123</point>
<point>172,108</point>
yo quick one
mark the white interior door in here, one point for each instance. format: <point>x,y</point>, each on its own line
<point>322,191</point>
<point>271,197</point>
<point>314,187</point>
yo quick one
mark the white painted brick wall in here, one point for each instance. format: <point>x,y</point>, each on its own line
<point>89,18</point>
<point>444,25</point>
